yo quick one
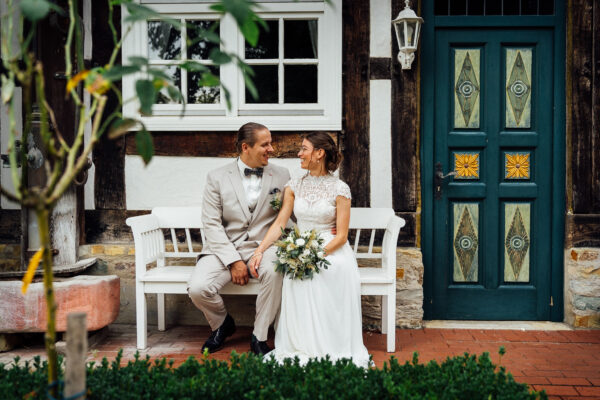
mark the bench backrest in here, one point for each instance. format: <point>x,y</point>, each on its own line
<point>149,237</point>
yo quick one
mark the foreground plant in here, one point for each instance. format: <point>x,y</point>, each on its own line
<point>66,159</point>
<point>251,377</point>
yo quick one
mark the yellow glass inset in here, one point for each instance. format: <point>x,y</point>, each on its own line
<point>516,165</point>
<point>466,165</point>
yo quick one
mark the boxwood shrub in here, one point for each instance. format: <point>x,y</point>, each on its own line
<point>245,376</point>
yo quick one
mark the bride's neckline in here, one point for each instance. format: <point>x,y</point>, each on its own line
<point>317,177</point>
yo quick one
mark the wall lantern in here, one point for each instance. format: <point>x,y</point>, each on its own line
<point>408,27</point>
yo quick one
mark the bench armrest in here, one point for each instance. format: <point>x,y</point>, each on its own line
<point>389,244</point>
<point>149,242</point>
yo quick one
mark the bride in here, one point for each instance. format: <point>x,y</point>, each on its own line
<point>322,316</point>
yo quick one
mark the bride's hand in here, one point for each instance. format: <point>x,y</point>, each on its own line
<point>254,263</point>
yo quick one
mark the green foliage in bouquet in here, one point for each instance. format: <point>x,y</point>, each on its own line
<point>300,254</point>
<point>245,376</point>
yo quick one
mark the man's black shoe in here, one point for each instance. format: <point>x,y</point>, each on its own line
<point>216,339</point>
<point>259,348</point>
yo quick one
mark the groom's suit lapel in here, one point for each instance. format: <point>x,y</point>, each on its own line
<point>264,191</point>
<point>236,182</point>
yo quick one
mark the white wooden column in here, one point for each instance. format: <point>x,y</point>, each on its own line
<point>380,107</point>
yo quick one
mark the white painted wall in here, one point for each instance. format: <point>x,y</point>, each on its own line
<point>381,28</point>
<point>380,100</point>
<point>176,181</point>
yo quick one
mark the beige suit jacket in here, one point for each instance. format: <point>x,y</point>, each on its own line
<point>232,232</point>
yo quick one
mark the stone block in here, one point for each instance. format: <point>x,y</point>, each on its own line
<point>97,296</point>
<point>584,303</point>
<point>586,287</point>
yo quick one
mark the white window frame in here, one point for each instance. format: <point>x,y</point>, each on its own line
<point>324,115</point>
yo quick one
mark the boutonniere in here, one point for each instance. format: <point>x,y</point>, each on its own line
<point>276,199</point>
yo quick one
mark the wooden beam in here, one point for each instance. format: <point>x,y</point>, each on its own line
<point>380,68</point>
<point>585,127</point>
<point>355,169</point>
<point>108,226</point>
<point>405,127</point>
<point>582,230</point>
<point>213,144</point>
<point>109,155</point>
<point>10,226</point>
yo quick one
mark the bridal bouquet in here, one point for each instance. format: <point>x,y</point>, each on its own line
<point>300,254</point>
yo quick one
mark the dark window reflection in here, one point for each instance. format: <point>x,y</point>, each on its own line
<point>511,7</point>
<point>475,7</point>
<point>300,38</point>
<point>441,7</point>
<point>164,41</point>
<point>458,7</point>
<point>493,7</point>
<point>268,43</point>
<point>266,82</point>
<point>546,7</point>
<point>198,94</point>
<point>199,49</point>
<point>163,95</point>
<point>300,84</point>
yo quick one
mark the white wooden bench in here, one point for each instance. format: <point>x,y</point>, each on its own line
<point>150,248</point>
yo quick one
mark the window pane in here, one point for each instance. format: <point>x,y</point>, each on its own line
<point>511,7</point>
<point>163,94</point>
<point>458,7</point>
<point>199,49</point>
<point>441,7</point>
<point>268,43</point>
<point>203,94</point>
<point>300,38</point>
<point>493,7</point>
<point>266,81</point>
<point>475,7</point>
<point>547,7</point>
<point>164,41</point>
<point>300,84</point>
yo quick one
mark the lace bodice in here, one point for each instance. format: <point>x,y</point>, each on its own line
<point>314,204</point>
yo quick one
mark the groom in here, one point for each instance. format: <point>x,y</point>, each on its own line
<point>236,215</point>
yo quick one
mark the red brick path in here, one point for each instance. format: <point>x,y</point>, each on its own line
<point>564,363</point>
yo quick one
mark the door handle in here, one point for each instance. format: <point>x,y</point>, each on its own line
<point>438,180</point>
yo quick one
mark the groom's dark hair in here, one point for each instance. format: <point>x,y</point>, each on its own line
<point>246,134</point>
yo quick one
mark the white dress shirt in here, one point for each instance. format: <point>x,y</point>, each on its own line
<point>252,185</point>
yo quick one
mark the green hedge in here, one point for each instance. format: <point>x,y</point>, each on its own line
<point>248,377</point>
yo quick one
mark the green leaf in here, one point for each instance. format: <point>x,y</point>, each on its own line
<point>193,66</point>
<point>208,79</point>
<point>138,60</point>
<point>174,93</point>
<point>121,126</point>
<point>34,10</point>
<point>118,71</point>
<point>159,74</point>
<point>146,93</point>
<point>219,57</point>
<point>8,88</point>
<point>250,86</point>
<point>138,12</point>
<point>202,34</point>
<point>144,145</point>
<point>250,31</point>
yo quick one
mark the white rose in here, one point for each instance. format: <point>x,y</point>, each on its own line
<point>306,253</point>
<point>314,244</point>
<point>290,247</point>
<point>320,254</point>
<point>300,242</point>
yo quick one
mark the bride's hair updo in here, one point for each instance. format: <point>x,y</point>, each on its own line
<point>322,140</point>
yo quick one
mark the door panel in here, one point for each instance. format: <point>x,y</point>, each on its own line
<point>493,130</point>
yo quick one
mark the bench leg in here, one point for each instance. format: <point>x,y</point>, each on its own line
<point>390,310</point>
<point>384,314</point>
<point>140,316</point>
<point>160,305</point>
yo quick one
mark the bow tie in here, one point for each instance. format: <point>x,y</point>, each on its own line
<point>256,171</point>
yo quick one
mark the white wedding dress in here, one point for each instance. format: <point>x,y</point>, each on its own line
<point>322,316</point>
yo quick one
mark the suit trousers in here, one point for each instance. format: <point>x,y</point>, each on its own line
<point>210,275</point>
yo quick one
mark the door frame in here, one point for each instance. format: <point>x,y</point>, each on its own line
<point>427,54</point>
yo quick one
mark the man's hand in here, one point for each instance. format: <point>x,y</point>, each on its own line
<point>239,273</point>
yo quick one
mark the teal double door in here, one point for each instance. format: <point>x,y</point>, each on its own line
<point>489,230</point>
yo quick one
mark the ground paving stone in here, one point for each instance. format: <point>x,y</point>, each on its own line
<point>566,364</point>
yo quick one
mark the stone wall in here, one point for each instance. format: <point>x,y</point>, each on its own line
<point>582,287</point>
<point>118,259</point>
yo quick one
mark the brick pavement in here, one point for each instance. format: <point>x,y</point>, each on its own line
<point>564,363</point>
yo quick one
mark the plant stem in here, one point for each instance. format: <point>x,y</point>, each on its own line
<point>43,217</point>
